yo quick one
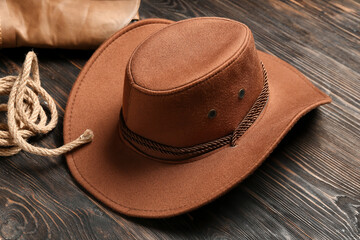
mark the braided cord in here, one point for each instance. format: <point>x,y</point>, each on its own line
<point>199,149</point>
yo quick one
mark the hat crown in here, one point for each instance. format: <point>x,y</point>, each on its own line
<point>192,82</point>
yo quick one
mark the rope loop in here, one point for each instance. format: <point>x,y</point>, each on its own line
<point>26,116</point>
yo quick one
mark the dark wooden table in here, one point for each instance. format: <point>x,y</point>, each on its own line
<point>308,188</point>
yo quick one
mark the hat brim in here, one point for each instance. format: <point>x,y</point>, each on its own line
<point>137,185</point>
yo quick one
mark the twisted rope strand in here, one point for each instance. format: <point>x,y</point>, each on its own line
<point>26,116</point>
<point>254,112</point>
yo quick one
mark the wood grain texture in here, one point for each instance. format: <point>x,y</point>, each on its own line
<point>309,188</point>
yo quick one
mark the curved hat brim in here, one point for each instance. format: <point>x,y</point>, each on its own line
<point>136,185</point>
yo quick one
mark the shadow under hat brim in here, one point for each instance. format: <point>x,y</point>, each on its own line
<point>136,185</point>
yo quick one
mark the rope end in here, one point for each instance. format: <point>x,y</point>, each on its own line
<point>87,136</point>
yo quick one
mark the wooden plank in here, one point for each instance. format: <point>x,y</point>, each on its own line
<point>309,188</point>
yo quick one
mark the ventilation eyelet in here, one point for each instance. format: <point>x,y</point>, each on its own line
<point>212,114</point>
<point>241,93</point>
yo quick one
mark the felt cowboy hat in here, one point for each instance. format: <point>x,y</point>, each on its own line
<point>181,113</point>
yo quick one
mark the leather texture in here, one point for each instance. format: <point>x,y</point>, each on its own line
<point>80,24</point>
<point>167,76</point>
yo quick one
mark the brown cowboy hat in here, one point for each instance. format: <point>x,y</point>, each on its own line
<point>181,113</point>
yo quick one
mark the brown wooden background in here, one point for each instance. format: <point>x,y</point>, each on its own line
<point>308,188</point>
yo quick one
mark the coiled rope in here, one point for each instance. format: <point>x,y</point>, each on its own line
<point>26,116</point>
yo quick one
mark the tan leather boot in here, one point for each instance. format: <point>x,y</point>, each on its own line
<point>80,24</point>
